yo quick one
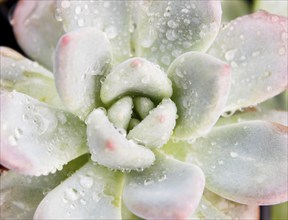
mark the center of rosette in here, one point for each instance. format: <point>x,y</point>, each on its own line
<point>139,115</point>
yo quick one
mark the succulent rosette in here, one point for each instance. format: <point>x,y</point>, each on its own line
<point>130,123</point>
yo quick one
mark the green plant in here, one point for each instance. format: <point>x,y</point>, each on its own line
<point>133,129</point>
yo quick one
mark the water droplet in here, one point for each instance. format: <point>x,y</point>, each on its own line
<point>65,4</point>
<point>81,22</point>
<point>62,118</point>
<point>191,140</point>
<point>86,181</point>
<point>186,103</point>
<point>233,154</point>
<point>162,178</point>
<point>19,204</point>
<point>148,181</point>
<point>269,88</point>
<point>145,79</point>
<point>185,10</point>
<point>122,131</point>
<point>18,133</point>
<point>274,18</point>
<point>230,54</point>
<point>176,53</point>
<point>96,197</point>
<point>186,44</point>
<point>228,114</point>
<point>40,124</point>
<point>139,169</point>
<point>111,32</point>
<point>179,73</point>
<point>172,24</point>
<point>171,35</point>
<point>102,80</point>
<point>255,53</point>
<point>213,143</point>
<point>46,191</point>
<point>12,140</point>
<point>58,15</point>
<point>220,162</point>
<point>282,51</point>
<point>165,60</point>
<point>266,74</point>
<point>187,21</point>
<point>203,206</point>
<point>71,194</point>
<point>83,201</point>
<point>106,4</point>
<point>78,10</point>
<point>284,36</point>
<point>72,206</point>
<point>202,34</point>
<point>234,64</point>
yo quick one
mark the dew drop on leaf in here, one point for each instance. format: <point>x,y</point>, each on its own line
<point>86,181</point>
<point>71,194</point>
<point>12,140</point>
<point>282,51</point>
<point>230,54</point>
<point>18,133</point>
<point>81,22</point>
<point>96,197</point>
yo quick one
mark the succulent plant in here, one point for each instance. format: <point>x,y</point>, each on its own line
<point>133,121</point>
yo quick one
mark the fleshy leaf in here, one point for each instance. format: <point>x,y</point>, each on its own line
<point>280,117</point>
<point>213,206</point>
<point>111,148</point>
<point>111,17</point>
<point>201,84</point>
<point>167,29</point>
<point>25,76</point>
<point>37,139</point>
<point>120,112</point>
<point>138,77</point>
<point>156,129</point>
<point>278,7</point>
<point>258,73</point>
<point>245,162</point>
<point>20,195</point>
<point>82,58</point>
<point>93,192</point>
<point>169,189</point>
<point>143,106</point>
<point>37,29</point>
